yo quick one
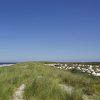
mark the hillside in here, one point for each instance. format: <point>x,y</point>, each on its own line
<point>43,82</point>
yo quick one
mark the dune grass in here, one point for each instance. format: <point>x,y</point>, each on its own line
<point>42,82</point>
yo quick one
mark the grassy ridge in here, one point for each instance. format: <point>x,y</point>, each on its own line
<point>42,82</point>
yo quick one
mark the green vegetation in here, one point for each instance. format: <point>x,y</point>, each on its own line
<point>42,82</point>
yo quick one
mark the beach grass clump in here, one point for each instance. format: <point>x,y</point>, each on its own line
<point>43,88</point>
<point>76,94</point>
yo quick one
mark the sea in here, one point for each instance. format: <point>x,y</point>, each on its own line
<point>6,64</point>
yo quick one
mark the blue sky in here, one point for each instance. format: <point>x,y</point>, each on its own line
<point>55,30</point>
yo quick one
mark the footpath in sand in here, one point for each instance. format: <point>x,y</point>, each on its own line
<point>69,89</point>
<point>18,95</point>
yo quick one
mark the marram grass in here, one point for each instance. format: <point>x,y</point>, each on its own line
<point>42,82</point>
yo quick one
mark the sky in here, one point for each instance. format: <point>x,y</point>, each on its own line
<point>49,30</point>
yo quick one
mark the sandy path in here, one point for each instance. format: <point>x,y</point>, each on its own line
<point>18,95</point>
<point>66,88</point>
<point>69,89</point>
